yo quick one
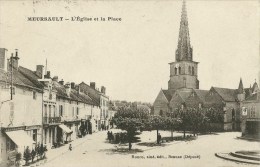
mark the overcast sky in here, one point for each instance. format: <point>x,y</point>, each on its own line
<point>130,58</point>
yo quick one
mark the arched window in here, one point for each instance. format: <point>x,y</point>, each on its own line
<point>184,82</point>
<point>161,113</point>
<point>179,70</point>
<point>192,70</point>
<point>175,70</point>
<point>189,70</point>
<point>233,114</point>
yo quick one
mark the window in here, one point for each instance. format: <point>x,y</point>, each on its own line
<point>189,70</point>
<point>35,135</point>
<point>61,110</point>
<point>179,70</point>
<point>175,70</point>
<point>49,110</point>
<point>184,82</point>
<point>54,110</point>
<point>161,113</point>
<point>192,70</point>
<point>233,115</point>
<point>45,110</point>
<point>34,95</point>
<point>77,111</point>
<point>50,96</point>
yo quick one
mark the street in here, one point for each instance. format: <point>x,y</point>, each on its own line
<point>96,151</point>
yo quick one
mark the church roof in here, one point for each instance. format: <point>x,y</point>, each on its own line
<point>226,94</point>
<point>184,94</point>
<point>167,94</point>
<point>253,97</point>
<point>201,94</point>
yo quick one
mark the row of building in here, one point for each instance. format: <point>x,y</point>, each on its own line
<point>37,108</point>
<point>240,106</point>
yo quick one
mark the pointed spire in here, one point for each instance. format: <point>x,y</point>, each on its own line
<point>240,87</point>
<point>184,50</point>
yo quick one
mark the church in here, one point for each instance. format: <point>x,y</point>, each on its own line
<point>183,86</point>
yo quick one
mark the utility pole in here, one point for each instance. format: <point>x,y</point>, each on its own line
<point>11,76</point>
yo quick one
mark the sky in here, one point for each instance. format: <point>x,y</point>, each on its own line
<point>130,57</point>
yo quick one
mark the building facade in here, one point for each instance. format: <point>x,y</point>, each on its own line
<point>20,111</point>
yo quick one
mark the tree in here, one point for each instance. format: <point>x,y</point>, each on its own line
<point>130,119</point>
<point>156,123</point>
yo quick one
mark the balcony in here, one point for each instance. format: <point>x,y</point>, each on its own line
<point>51,120</point>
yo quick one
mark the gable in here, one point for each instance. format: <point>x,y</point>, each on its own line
<point>213,98</point>
<point>161,98</point>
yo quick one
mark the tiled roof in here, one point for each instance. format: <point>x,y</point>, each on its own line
<point>74,94</point>
<point>226,94</point>
<point>248,92</point>
<point>201,94</point>
<point>31,76</point>
<point>61,91</point>
<point>167,94</point>
<point>92,93</point>
<point>184,94</point>
<point>253,97</point>
<point>19,78</point>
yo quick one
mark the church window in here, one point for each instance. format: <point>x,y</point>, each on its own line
<point>179,70</point>
<point>189,70</point>
<point>175,70</point>
<point>192,70</point>
<point>184,82</point>
<point>161,113</point>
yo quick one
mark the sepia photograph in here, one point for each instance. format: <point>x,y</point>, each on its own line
<point>128,83</point>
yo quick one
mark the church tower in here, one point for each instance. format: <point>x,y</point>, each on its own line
<point>184,71</point>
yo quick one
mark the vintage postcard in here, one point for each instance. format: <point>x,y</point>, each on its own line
<point>128,83</point>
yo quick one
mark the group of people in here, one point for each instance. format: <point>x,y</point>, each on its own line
<point>110,136</point>
<point>116,138</point>
<point>104,127</point>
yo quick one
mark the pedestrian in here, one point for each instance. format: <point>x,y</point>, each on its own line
<point>70,147</point>
<point>108,135</point>
<point>33,154</point>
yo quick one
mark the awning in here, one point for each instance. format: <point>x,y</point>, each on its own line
<point>65,129</point>
<point>20,138</point>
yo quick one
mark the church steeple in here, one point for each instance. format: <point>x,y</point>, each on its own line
<point>184,50</point>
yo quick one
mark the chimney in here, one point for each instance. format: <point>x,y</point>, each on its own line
<point>93,85</point>
<point>3,58</point>
<point>55,78</point>
<point>68,88</point>
<point>15,59</point>
<point>103,90</point>
<point>72,85</point>
<point>39,70</point>
<point>61,82</point>
<point>48,75</point>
